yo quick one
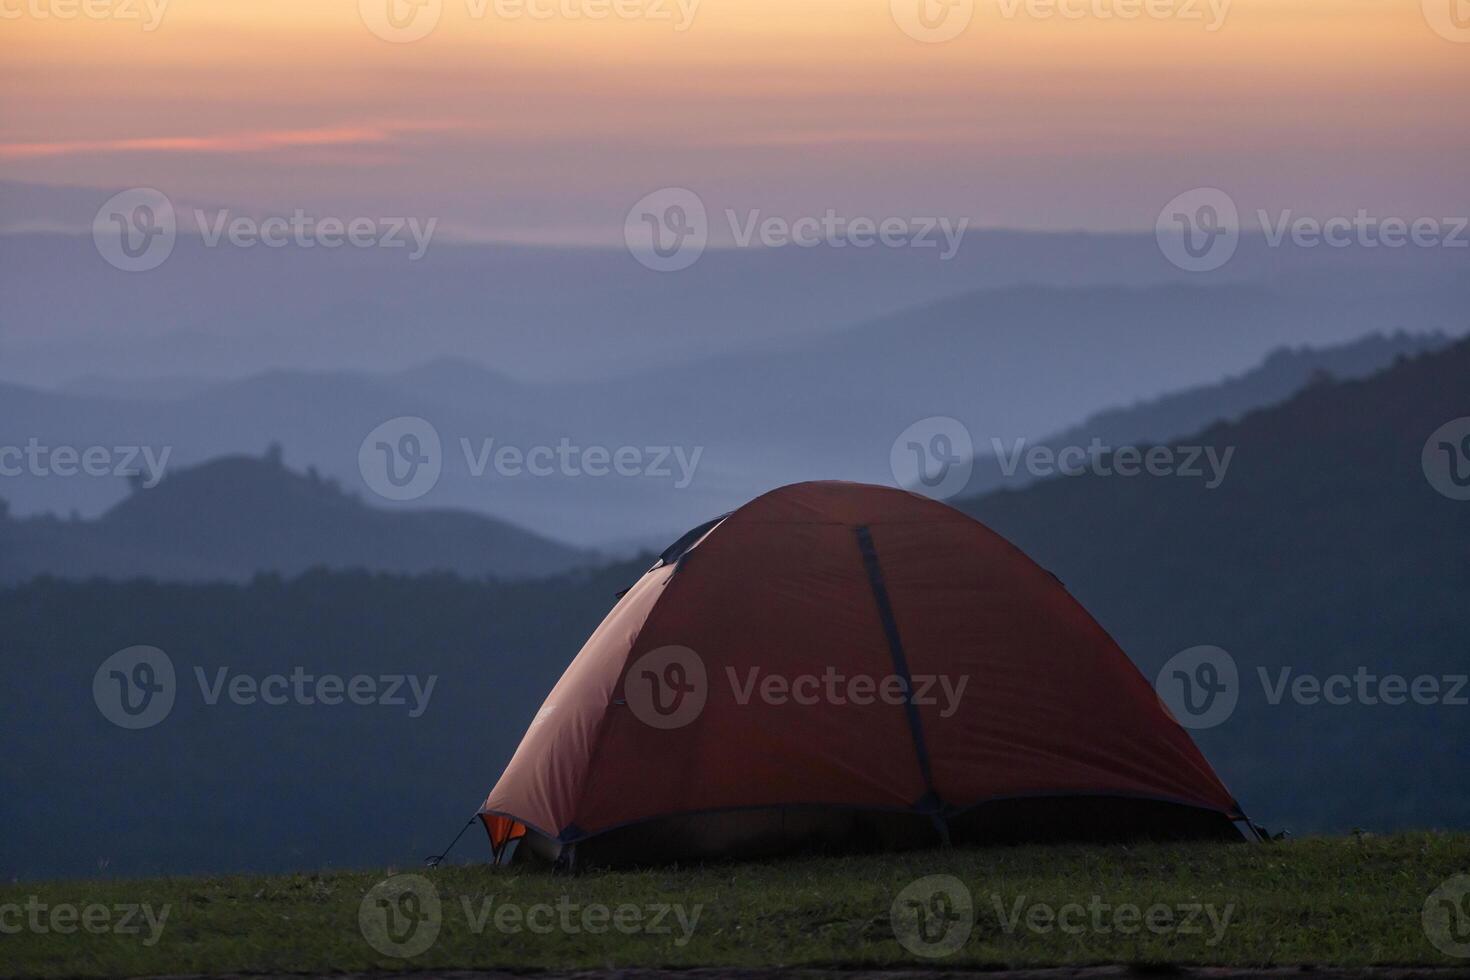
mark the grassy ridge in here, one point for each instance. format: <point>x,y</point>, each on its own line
<point>1346,901</point>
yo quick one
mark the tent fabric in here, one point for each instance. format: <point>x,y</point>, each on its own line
<point>503,831</point>
<point>827,579</point>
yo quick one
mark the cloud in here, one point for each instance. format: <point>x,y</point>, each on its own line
<point>244,142</point>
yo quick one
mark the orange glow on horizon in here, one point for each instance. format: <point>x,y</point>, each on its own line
<point>796,89</point>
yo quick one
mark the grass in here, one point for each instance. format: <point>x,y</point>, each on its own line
<point>1342,901</point>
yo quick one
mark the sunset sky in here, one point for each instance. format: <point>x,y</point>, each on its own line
<point>547,129</point>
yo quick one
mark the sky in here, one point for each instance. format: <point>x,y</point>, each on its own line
<point>545,120</point>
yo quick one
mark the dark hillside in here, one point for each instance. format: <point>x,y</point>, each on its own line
<point>1283,373</point>
<point>256,786</point>
<point>233,517</point>
<point>1324,550</point>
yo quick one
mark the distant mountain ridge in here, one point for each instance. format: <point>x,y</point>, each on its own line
<point>1284,372</point>
<point>552,314</point>
<point>1008,363</point>
<point>232,518</point>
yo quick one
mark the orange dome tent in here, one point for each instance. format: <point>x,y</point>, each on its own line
<point>841,664</point>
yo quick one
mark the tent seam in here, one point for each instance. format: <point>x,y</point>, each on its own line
<point>675,571</point>
<point>869,552</point>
